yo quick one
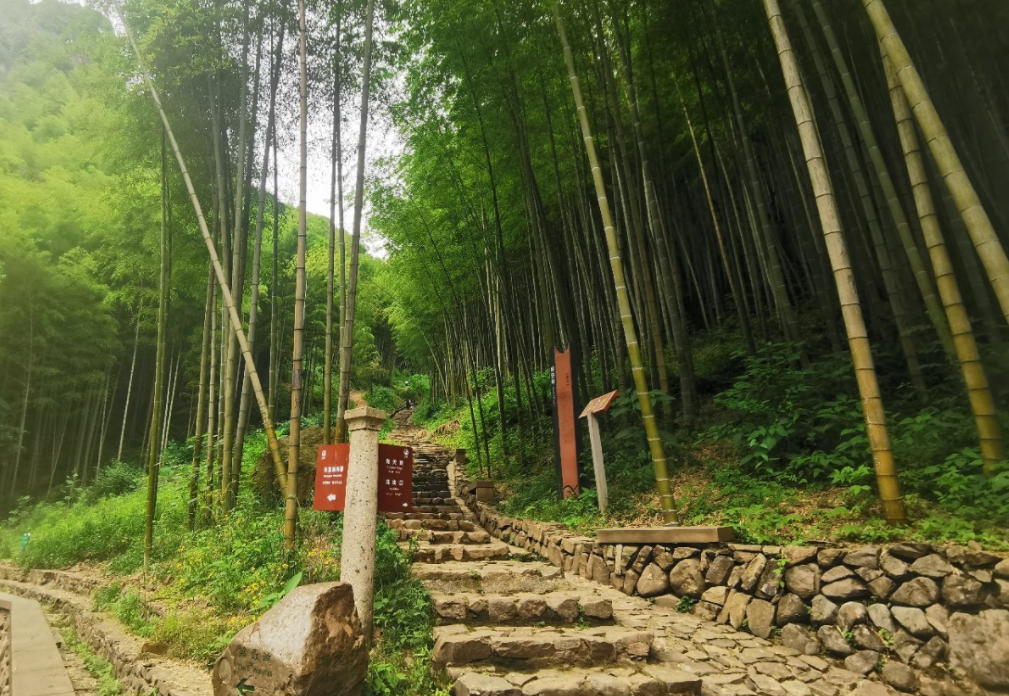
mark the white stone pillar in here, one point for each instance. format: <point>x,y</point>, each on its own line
<point>360,517</point>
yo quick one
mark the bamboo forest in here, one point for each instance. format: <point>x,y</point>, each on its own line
<point>769,235</point>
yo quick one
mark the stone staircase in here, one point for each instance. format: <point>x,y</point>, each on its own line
<point>511,627</point>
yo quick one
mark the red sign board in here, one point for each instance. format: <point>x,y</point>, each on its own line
<point>331,463</point>
<point>395,478</point>
<point>600,404</point>
<point>562,379</point>
<point>395,482</point>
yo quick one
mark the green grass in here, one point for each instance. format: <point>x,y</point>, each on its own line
<point>98,667</point>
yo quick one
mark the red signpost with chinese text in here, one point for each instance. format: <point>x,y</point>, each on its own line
<point>395,478</point>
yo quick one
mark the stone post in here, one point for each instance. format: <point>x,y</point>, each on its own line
<point>360,517</point>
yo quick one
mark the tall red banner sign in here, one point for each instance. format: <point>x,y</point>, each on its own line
<point>395,478</point>
<point>565,409</point>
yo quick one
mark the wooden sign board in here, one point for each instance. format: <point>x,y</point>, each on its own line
<point>395,482</point>
<point>600,404</point>
<point>566,443</point>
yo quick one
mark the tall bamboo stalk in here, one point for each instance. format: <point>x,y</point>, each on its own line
<point>858,341</point>
<point>616,266</point>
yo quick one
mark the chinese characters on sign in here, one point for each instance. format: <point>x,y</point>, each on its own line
<point>395,482</point>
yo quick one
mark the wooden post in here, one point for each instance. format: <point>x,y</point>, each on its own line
<point>598,465</point>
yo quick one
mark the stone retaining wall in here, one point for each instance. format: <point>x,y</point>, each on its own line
<point>919,606</point>
<point>107,638</point>
<point>6,675</point>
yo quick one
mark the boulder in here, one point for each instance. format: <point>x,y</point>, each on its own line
<point>719,570</point>
<point>862,662</point>
<point>865,557</point>
<point>882,586</point>
<point>1002,569</point>
<point>770,583</point>
<point>938,618</point>
<point>850,614</point>
<point>979,645</point>
<point>760,618</point>
<point>849,588</point>
<point>663,558</point>
<point>833,640</point>
<point>803,580</point>
<point>828,557</point>
<point>686,579</point>
<point>309,644</point>
<point>754,569</point>
<point>867,639</point>
<point>893,566</point>
<point>962,591</point>
<point>908,551</point>
<point>900,676</point>
<point>653,581</point>
<point>880,617</point>
<point>791,609</point>
<point>799,638</point>
<point>913,620</point>
<point>919,592</point>
<point>798,554</point>
<point>823,611</point>
<point>837,573</point>
<point>734,610</point>
<point>932,566</point>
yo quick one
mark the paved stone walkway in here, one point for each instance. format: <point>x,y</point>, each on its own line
<point>511,626</point>
<point>37,665</point>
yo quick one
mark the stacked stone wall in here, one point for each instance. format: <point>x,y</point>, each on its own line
<point>911,607</point>
<point>6,674</point>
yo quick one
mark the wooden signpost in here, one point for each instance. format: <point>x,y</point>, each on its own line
<point>565,393</point>
<point>600,404</point>
<point>395,478</point>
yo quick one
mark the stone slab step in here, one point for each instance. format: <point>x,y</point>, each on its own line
<point>534,648</point>
<point>648,680</point>
<point>526,608</point>
<point>450,509</point>
<point>435,525</point>
<point>444,537</point>
<point>496,577</point>
<point>421,515</point>
<point>426,552</point>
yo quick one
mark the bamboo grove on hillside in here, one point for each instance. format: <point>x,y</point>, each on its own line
<point>614,176</point>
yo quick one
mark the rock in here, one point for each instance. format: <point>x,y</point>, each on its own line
<point>734,577</point>
<point>1002,569</point>
<point>803,580</point>
<point>791,609</point>
<point>881,587</point>
<point>760,618</point>
<point>653,581</point>
<point>913,621</point>
<point>663,558</point>
<point>682,552</point>
<point>932,566</point>
<point>828,557</point>
<point>869,574</point>
<point>867,639</point>
<point>850,614</point>
<point>477,684</point>
<point>833,641</point>
<point>909,552</point>
<point>532,609</point>
<point>716,595</point>
<point>309,644</point>
<point>865,557</point>
<point>862,662</point>
<point>754,569</point>
<point>962,591</point>
<point>938,618</point>
<point>905,645</point>
<point>870,688</point>
<point>930,654</point>
<point>719,570</point>
<point>734,610</point>
<point>919,592</point>
<point>893,566</point>
<point>686,579</point>
<point>796,555</point>
<point>930,686</point>
<point>979,645</point>
<point>900,676</point>
<point>880,617</point>
<point>836,573</point>
<point>605,685</point>
<point>563,606</point>
<point>849,588</point>
<point>799,638</point>
<point>1001,596</point>
<point>707,610</point>
<point>823,611</point>
<point>770,583</point>
<point>977,557</point>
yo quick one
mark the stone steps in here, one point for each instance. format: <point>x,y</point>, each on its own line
<point>435,525</point>
<point>498,577</point>
<point>648,680</point>
<point>456,514</point>
<point>535,648</point>
<point>444,537</point>
<point>426,552</point>
<point>516,609</point>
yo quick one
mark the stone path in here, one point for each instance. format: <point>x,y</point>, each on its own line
<point>510,626</point>
<point>37,665</point>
